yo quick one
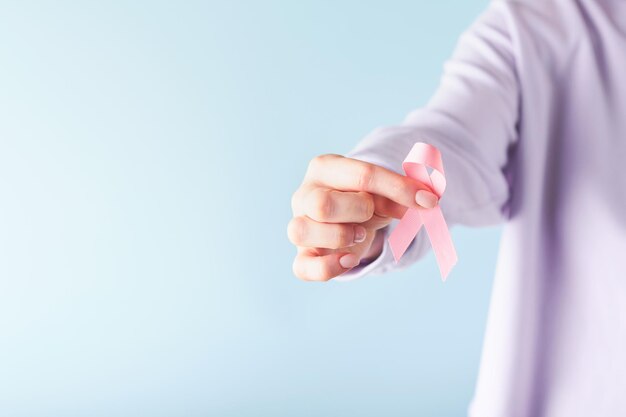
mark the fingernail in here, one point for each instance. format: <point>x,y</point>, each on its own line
<point>426,199</point>
<point>349,261</point>
<point>359,234</point>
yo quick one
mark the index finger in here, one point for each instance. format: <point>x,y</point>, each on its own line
<point>347,174</point>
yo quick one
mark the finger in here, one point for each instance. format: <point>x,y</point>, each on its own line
<point>335,171</point>
<point>332,206</point>
<point>385,210</point>
<point>385,207</point>
<point>317,203</point>
<point>310,267</point>
<point>303,231</point>
<point>299,198</point>
<point>375,223</point>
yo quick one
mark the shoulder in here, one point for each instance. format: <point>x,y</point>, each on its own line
<point>549,30</point>
<point>555,20</point>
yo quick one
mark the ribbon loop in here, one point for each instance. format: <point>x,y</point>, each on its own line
<point>421,157</point>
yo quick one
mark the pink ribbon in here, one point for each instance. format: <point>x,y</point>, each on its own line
<point>415,165</point>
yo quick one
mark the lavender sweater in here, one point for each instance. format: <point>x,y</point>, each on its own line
<point>530,118</point>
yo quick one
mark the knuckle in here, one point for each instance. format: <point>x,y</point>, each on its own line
<point>402,187</point>
<point>294,201</point>
<point>399,190</point>
<point>315,163</point>
<point>296,230</point>
<point>368,206</point>
<point>322,206</point>
<point>318,162</point>
<point>298,271</point>
<point>366,175</point>
<point>343,236</point>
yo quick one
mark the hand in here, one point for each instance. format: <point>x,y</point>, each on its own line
<point>338,210</point>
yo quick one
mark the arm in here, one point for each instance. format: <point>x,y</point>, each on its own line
<point>472,119</point>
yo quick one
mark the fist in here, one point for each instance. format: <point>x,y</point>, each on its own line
<point>339,209</point>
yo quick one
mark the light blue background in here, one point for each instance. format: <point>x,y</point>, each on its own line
<point>148,152</point>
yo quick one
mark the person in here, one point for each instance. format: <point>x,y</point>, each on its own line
<point>530,118</point>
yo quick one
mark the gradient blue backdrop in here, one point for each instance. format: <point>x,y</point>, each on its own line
<point>148,152</point>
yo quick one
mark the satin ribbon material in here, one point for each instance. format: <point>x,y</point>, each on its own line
<point>416,165</point>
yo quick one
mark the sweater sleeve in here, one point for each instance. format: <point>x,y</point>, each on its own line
<point>472,119</point>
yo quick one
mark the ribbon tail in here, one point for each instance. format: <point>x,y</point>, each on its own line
<point>404,233</point>
<point>440,239</point>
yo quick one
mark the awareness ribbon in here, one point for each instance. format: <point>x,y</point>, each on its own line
<point>415,165</point>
